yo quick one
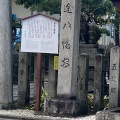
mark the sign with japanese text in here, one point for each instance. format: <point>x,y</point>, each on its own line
<point>39,35</point>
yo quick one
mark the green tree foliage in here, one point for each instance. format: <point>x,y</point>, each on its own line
<point>28,3</point>
<point>54,6</point>
<point>96,9</point>
<point>95,12</point>
<point>92,10</point>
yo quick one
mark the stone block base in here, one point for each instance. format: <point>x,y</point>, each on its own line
<point>111,114</point>
<point>7,106</point>
<point>65,107</point>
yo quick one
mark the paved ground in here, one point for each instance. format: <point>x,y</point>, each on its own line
<point>25,114</point>
<point>9,119</point>
<point>15,94</point>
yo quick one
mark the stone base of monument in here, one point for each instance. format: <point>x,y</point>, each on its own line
<point>68,107</point>
<point>7,106</point>
<point>111,114</point>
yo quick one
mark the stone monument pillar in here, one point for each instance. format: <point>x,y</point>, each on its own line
<point>98,82</point>
<point>52,78</point>
<point>5,54</point>
<point>23,84</point>
<point>69,49</point>
<point>83,78</point>
<point>114,85</point>
<point>91,50</point>
<point>66,102</point>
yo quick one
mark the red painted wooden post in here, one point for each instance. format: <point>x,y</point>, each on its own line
<point>38,82</point>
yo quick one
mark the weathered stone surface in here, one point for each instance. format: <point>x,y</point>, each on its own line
<point>111,114</point>
<point>89,49</point>
<point>98,82</point>
<point>65,107</point>
<point>83,76</point>
<point>5,53</point>
<point>114,85</point>
<point>52,80</point>
<point>91,73</point>
<point>69,49</point>
<point>23,78</point>
<point>68,64</point>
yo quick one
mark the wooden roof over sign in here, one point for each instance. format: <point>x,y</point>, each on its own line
<point>41,15</point>
<point>116,3</point>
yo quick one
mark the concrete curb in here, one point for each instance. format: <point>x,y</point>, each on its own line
<point>43,117</point>
<point>110,114</point>
<point>14,117</point>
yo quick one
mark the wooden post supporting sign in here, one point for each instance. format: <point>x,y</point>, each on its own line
<point>38,82</point>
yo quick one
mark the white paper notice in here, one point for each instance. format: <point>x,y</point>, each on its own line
<point>39,35</point>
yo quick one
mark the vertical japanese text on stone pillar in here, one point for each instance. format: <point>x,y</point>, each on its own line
<point>114,84</point>
<point>114,70</point>
<point>113,77</point>
<point>66,46</point>
<point>68,8</point>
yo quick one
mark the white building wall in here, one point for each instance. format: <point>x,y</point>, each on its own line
<point>19,10</point>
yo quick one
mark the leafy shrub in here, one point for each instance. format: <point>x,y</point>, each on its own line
<point>106,101</point>
<point>43,96</point>
<point>90,101</point>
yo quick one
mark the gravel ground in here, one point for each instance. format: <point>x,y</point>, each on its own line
<point>31,114</point>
